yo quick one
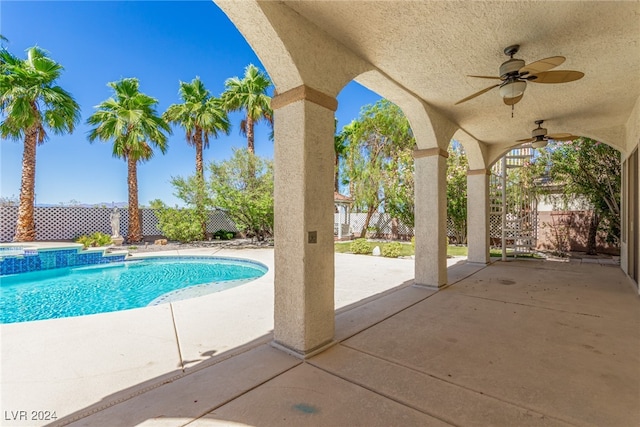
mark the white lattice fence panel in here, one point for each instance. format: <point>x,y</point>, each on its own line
<point>70,222</point>
<point>495,225</point>
<point>149,222</point>
<point>8,218</point>
<point>381,223</point>
<point>218,220</point>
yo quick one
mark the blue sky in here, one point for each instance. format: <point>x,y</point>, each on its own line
<point>160,43</point>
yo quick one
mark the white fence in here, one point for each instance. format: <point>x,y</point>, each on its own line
<point>70,222</point>
<point>381,225</point>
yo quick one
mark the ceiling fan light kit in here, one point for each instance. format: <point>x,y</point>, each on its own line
<point>539,144</point>
<point>512,89</point>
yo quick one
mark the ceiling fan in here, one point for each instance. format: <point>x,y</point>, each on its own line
<point>514,75</point>
<point>539,137</point>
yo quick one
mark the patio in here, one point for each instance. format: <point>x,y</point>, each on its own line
<point>67,364</point>
<point>515,343</point>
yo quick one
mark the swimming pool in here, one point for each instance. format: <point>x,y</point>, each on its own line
<point>77,291</point>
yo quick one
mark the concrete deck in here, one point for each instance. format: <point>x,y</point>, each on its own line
<point>515,343</point>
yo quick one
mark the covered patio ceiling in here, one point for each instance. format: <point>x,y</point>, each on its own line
<point>430,47</point>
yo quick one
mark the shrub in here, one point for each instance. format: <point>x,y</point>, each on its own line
<point>183,225</point>
<point>391,250</point>
<point>360,246</point>
<point>243,188</point>
<point>94,240</point>
<point>224,235</point>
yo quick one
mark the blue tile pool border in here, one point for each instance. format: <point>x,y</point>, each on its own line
<point>36,260</point>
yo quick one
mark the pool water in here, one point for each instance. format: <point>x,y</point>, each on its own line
<point>77,291</point>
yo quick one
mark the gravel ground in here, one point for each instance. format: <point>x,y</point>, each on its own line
<point>214,244</point>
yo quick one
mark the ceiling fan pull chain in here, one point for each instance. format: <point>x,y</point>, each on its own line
<point>512,111</point>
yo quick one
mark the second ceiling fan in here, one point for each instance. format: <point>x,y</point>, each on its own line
<point>514,75</point>
<point>540,138</point>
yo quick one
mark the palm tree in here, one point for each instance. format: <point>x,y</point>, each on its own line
<point>31,103</point>
<point>130,120</point>
<point>200,115</point>
<point>249,95</point>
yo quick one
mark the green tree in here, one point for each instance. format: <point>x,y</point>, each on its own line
<point>130,120</point>
<point>31,103</point>
<point>400,194</point>
<point>193,191</point>
<point>592,170</point>
<point>181,224</point>
<point>457,167</point>
<point>243,187</point>
<point>340,141</point>
<point>249,95</point>
<point>379,160</point>
<point>201,116</point>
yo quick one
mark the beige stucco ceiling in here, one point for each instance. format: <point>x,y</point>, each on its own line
<point>429,48</point>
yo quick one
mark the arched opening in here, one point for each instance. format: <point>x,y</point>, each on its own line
<point>562,198</point>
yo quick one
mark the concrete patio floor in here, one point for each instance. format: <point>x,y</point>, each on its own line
<point>514,343</point>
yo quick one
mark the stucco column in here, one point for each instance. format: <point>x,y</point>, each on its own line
<point>304,215</point>
<point>478,215</point>
<point>431,217</point>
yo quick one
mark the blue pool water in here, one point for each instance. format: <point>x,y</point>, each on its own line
<point>76,291</point>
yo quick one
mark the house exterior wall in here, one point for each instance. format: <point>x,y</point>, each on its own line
<point>567,231</point>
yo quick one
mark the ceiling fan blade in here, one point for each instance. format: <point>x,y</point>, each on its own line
<point>558,76</point>
<point>526,140</point>
<point>562,137</point>
<point>476,94</point>
<point>513,101</point>
<point>542,65</point>
<point>486,77</point>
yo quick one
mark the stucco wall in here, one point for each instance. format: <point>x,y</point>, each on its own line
<point>569,230</point>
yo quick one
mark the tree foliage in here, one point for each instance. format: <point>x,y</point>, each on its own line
<point>379,162</point>
<point>31,103</point>
<point>249,95</point>
<point>201,116</point>
<point>592,170</point>
<point>457,167</point>
<point>131,121</point>
<point>243,187</point>
<point>181,224</point>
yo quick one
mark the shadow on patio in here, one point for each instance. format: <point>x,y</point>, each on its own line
<point>516,343</point>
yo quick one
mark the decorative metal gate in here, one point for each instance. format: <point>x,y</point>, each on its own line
<point>513,212</point>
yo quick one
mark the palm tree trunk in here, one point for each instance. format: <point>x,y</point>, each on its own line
<point>25,227</point>
<point>197,139</point>
<point>250,136</point>
<point>200,182</point>
<point>134,233</point>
